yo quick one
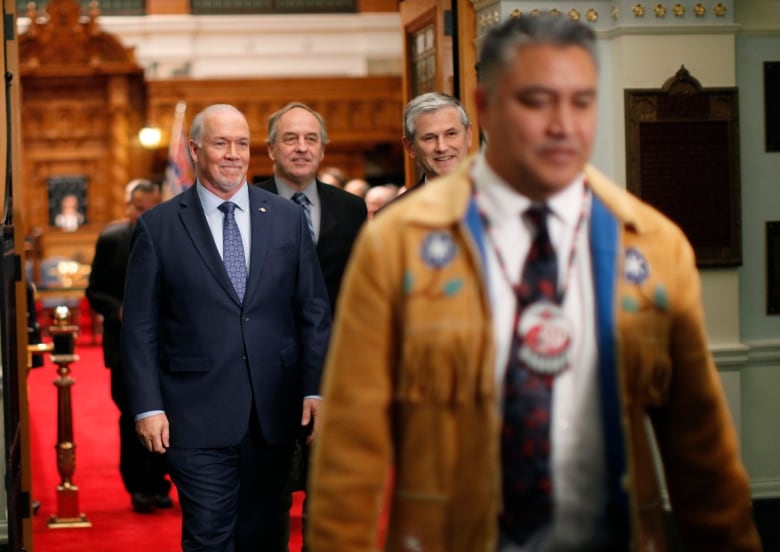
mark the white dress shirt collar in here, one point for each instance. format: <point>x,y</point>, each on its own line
<point>501,201</point>
<point>309,191</point>
<point>211,202</point>
<point>577,460</point>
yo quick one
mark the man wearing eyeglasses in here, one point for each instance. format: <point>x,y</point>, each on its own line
<point>297,136</point>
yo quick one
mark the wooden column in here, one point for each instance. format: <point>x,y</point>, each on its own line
<point>119,120</point>
<point>467,64</point>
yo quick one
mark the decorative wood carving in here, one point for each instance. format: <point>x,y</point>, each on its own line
<point>363,115</point>
<point>60,37</point>
<point>84,100</point>
<point>82,105</point>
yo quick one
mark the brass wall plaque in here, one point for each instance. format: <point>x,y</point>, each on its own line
<point>682,151</point>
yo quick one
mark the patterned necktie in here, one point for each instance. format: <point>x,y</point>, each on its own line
<point>233,249</point>
<point>301,199</point>
<point>525,438</point>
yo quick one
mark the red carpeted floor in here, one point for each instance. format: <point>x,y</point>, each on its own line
<point>115,527</point>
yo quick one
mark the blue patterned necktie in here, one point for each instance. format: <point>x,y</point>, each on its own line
<point>301,199</point>
<point>525,436</point>
<point>233,249</point>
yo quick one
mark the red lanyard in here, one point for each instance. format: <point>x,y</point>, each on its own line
<point>586,199</point>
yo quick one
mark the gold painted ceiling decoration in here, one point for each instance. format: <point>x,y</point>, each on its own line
<point>639,10</point>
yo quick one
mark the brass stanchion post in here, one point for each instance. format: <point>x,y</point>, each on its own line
<point>63,333</point>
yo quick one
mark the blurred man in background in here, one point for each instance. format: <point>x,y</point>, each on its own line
<point>379,196</point>
<point>333,176</point>
<point>143,472</point>
<point>357,186</point>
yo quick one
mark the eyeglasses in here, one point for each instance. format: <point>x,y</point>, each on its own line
<point>291,139</point>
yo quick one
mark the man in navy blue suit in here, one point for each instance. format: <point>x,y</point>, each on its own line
<point>224,364</point>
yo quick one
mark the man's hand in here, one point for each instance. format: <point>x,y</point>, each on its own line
<point>153,432</point>
<point>311,408</point>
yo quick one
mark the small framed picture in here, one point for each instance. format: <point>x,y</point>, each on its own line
<point>773,267</point>
<point>67,202</point>
<point>772,104</point>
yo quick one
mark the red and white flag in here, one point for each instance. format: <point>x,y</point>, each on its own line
<point>178,174</point>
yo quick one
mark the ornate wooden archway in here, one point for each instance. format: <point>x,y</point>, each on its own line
<point>83,97</point>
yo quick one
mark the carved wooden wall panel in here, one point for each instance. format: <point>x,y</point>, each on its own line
<point>84,100</point>
<point>363,115</point>
<point>73,126</point>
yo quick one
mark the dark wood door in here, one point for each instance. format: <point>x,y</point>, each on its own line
<point>17,498</point>
<point>18,501</point>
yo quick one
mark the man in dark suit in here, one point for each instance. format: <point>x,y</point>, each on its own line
<point>143,473</point>
<point>297,136</point>
<point>224,341</point>
<point>437,134</point>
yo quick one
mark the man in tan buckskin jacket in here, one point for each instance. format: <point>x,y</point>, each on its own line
<point>433,304</point>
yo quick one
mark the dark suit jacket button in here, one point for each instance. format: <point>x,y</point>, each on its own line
<point>245,318</point>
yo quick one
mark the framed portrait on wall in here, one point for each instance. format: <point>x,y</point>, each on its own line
<point>773,267</point>
<point>772,104</point>
<point>67,202</point>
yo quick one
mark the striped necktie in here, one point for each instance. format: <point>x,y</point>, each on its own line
<point>301,199</point>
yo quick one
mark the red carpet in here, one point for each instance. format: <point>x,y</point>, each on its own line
<point>102,497</point>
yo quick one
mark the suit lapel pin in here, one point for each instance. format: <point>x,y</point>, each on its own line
<point>262,209</point>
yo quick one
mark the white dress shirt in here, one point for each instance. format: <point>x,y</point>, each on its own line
<point>578,461</point>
